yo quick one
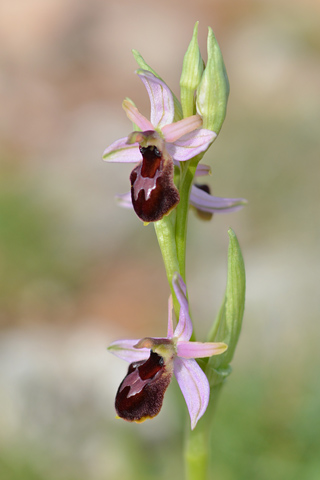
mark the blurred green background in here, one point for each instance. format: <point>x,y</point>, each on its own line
<point>77,272</point>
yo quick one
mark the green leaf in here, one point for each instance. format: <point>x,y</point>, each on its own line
<point>227,325</point>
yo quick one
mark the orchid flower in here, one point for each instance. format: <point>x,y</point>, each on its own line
<point>156,148</point>
<point>153,361</point>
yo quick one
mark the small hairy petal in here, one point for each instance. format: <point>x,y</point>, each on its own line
<point>162,105</point>
<point>174,131</point>
<point>125,349</point>
<point>208,203</point>
<point>191,144</point>
<point>183,330</point>
<point>136,117</point>
<point>120,151</point>
<point>199,349</point>
<point>194,386</point>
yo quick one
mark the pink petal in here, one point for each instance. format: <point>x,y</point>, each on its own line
<point>183,330</point>
<point>208,203</point>
<point>136,117</point>
<point>191,144</point>
<point>162,106</point>
<point>125,349</point>
<point>120,151</point>
<point>174,131</point>
<point>199,349</point>
<point>194,386</point>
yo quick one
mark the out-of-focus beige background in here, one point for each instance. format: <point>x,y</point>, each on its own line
<point>77,272</point>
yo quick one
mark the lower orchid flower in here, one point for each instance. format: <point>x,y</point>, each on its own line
<point>153,361</point>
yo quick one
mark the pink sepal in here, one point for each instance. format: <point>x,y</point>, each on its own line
<point>194,386</point>
<point>125,349</point>
<point>120,151</point>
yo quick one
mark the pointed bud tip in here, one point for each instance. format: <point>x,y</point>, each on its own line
<point>195,28</point>
<point>231,234</point>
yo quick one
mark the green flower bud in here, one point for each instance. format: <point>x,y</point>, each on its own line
<point>213,91</point>
<point>192,70</point>
<point>142,64</point>
<point>227,325</point>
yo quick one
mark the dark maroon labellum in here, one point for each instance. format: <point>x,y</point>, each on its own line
<point>140,395</point>
<point>153,191</point>
<point>204,187</point>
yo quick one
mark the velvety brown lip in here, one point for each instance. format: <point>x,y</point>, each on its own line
<point>149,379</point>
<point>153,192</point>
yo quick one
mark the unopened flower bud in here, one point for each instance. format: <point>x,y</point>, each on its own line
<point>213,91</point>
<point>192,70</point>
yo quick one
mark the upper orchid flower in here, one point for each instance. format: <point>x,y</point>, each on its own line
<point>154,360</point>
<point>155,148</point>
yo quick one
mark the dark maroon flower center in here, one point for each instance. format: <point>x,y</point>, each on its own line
<point>140,395</point>
<point>151,161</point>
<point>153,191</point>
<point>204,187</point>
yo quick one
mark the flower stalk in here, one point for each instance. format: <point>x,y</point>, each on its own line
<point>165,232</point>
<point>197,442</point>
<point>186,178</point>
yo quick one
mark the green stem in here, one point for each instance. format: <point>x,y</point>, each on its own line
<point>197,453</point>
<point>188,170</point>
<point>182,216</point>
<point>165,232</point>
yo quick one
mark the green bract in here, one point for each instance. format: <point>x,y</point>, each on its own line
<point>227,325</point>
<point>213,91</point>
